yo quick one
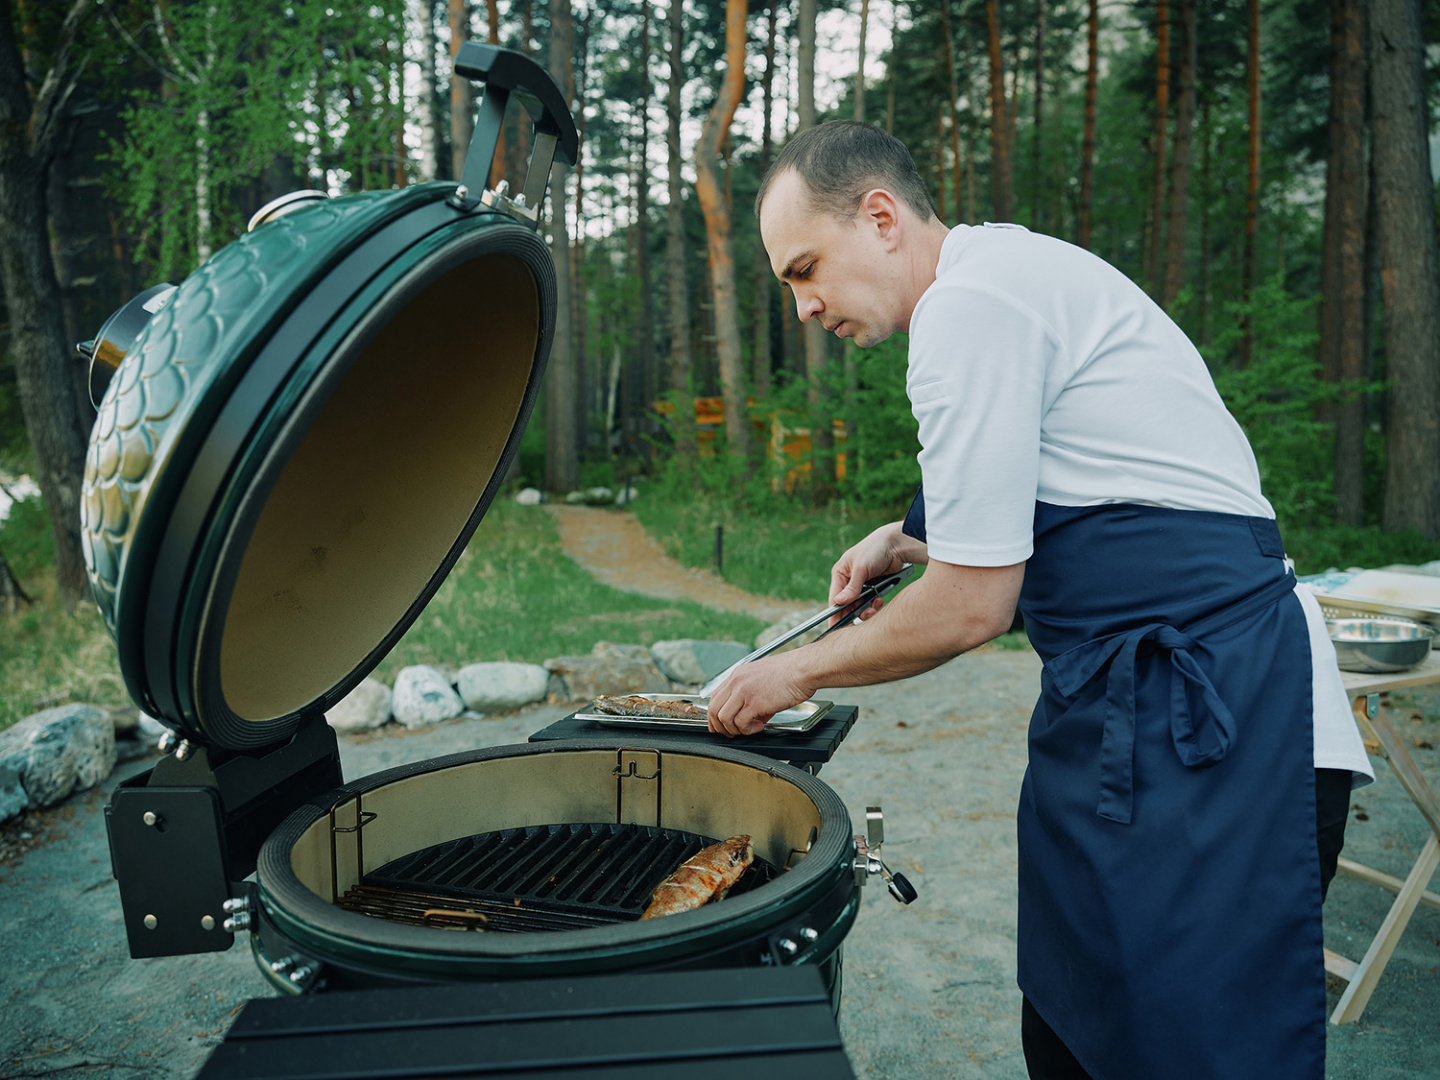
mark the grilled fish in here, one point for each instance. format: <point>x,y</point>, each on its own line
<point>707,875</point>
<point>634,705</point>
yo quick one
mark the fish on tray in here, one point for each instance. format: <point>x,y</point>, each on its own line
<point>707,875</point>
<point>635,705</point>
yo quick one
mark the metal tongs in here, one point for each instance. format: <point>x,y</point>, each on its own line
<point>849,613</point>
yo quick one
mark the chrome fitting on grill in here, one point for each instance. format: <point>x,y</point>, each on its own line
<point>868,861</point>
<point>237,922</point>
<point>236,904</point>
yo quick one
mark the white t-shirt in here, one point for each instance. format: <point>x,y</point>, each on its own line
<point>1022,335</point>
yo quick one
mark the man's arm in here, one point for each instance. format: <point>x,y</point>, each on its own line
<point>950,610</point>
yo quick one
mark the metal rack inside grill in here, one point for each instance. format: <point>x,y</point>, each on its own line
<point>543,877</point>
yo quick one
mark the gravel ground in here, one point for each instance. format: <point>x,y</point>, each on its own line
<point>929,989</point>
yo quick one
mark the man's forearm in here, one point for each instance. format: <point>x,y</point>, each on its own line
<point>950,610</point>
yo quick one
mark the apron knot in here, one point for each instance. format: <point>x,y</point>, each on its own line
<point>1202,737</point>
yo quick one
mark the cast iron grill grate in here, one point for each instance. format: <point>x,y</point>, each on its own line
<point>538,878</point>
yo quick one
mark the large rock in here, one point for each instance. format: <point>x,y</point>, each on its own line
<point>54,753</point>
<point>529,497</point>
<point>499,686</point>
<point>692,662</point>
<point>423,696</point>
<point>365,707</point>
<point>609,669</point>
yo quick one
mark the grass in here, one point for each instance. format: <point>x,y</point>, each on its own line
<point>513,595</point>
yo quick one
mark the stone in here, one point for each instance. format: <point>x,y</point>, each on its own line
<point>13,799</point>
<point>691,662</point>
<point>125,721</point>
<point>529,497</point>
<point>499,686</point>
<point>364,708</point>
<point>56,752</point>
<point>149,726</point>
<point>609,669</point>
<point>599,496</point>
<point>423,696</point>
<point>626,495</point>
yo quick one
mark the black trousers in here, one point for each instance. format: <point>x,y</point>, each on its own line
<point>1048,1058</point>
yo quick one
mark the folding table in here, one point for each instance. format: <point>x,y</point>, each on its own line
<point>1382,739</point>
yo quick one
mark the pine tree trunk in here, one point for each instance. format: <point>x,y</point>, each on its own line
<point>680,379</point>
<point>562,451</point>
<point>37,345</point>
<point>1409,276</point>
<point>1342,266</point>
<point>429,114</point>
<point>716,209</point>
<point>1038,187</point>
<point>817,345</point>
<point>462,94</point>
<point>764,277</point>
<point>588,381</point>
<point>1087,147</point>
<point>860,67</point>
<point>1001,187</point>
<point>890,70</point>
<point>1252,178</point>
<point>1180,166</point>
<point>1205,192</point>
<point>12,593</point>
<point>644,352</point>
<point>949,45</point>
<point>1162,115</point>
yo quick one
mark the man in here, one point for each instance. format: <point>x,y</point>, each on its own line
<point>1192,752</point>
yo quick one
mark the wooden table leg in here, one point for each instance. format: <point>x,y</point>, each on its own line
<point>1367,973</point>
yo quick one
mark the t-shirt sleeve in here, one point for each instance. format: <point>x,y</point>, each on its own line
<point>976,382</point>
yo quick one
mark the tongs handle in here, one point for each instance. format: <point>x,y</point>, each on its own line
<point>848,612</point>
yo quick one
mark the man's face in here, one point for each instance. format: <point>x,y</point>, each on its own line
<point>836,268</point>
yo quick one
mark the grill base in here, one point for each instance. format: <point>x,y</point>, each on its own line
<point>534,879</point>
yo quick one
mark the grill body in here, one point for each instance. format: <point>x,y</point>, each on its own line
<point>379,825</point>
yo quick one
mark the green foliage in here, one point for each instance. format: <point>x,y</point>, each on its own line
<point>515,595</point>
<point>250,91</point>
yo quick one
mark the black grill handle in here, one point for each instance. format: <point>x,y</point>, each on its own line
<point>502,71</point>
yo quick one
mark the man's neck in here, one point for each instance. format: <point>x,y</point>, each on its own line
<point>924,261</point>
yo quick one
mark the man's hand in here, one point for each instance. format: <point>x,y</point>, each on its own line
<point>884,551</point>
<point>754,692</point>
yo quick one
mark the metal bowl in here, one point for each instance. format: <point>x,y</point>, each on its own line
<point>1379,645</point>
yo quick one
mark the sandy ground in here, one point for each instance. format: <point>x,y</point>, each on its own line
<point>929,989</point>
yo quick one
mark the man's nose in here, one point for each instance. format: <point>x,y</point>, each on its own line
<point>807,306</point>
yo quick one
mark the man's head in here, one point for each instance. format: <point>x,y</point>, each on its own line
<point>849,227</point>
<point>842,160</point>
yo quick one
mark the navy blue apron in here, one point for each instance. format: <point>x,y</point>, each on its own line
<point>1169,908</point>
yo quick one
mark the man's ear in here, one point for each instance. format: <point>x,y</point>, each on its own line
<point>880,211</point>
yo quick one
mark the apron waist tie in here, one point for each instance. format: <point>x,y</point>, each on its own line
<point>1201,740</point>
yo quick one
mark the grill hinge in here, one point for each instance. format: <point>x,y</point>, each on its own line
<point>637,787</point>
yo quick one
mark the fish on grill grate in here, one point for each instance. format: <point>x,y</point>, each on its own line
<point>635,705</point>
<point>707,875</point>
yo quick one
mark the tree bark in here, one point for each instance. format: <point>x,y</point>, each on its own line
<point>1409,277</point>
<point>29,128</point>
<point>644,352</point>
<point>562,452</point>
<point>1252,178</point>
<point>762,359</point>
<point>684,420</point>
<point>1038,187</point>
<point>949,46</point>
<point>1087,146</point>
<point>716,208</point>
<point>860,68</point>
<point>1180,166</point>
<point>1162,114</point>
<point>1342,266</point>
<point>1001,188</point>
<point>817,346</point>
<point>462,95</point>
<point>429,118</point>
<point>890,69</point>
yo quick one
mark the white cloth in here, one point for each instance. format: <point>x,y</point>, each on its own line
<point>1039,372</point>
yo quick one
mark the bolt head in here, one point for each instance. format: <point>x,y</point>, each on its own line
<point>788,947</point>
<point>150,818</point>
<point>151,922</point>
<point>207,922</point>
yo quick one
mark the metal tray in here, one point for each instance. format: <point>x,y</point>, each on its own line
<point>801,718</point>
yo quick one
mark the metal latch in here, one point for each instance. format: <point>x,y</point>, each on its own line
<point>868,861</point>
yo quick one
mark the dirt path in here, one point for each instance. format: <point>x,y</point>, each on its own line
<point>614,549</point>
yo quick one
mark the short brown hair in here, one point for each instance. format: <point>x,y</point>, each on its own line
<point>841,160</point>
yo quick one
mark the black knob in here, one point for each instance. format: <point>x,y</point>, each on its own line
<point>901,889</point>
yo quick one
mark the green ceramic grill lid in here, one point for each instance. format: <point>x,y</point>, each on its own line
<point>301,440</point>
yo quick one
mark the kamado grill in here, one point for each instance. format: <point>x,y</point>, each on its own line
<point>293,447</point>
